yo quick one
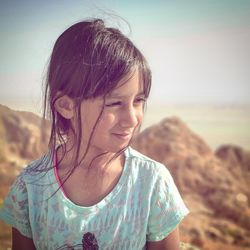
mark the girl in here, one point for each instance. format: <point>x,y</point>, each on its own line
<point>91,190</point>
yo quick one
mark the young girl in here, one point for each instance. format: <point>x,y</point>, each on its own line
<point>91,190</point>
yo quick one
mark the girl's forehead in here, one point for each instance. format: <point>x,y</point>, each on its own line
<point>130,85</point>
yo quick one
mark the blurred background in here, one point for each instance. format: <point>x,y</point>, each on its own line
<point>199,53</point>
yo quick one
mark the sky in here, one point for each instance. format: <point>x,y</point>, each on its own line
<point>199,51</point>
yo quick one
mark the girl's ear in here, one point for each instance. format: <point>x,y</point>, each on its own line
<point>64,105</point>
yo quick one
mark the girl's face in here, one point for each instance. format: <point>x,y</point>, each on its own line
<point>122,114</point>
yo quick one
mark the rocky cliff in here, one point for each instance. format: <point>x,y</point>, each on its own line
<point>215,185</point>
<point>20,135</point>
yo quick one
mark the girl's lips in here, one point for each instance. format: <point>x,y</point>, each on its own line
<point>123,135</point>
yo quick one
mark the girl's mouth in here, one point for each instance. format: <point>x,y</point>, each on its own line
<point>124,136</point>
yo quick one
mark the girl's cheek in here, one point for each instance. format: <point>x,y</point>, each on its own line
<point>140,116</point>
<point>108,120</point>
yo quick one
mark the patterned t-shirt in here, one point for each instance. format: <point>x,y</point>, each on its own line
<point>145,205</point>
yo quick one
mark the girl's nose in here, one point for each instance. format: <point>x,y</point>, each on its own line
<point>129,118</point>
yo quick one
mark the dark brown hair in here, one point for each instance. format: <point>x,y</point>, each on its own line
<point>88,61</point>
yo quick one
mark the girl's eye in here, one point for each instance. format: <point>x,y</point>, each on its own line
<point>140,100</point>
<point>113,104</point>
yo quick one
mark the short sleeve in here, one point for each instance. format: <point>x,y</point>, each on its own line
<point>15,209</point>
<point>167,207</point>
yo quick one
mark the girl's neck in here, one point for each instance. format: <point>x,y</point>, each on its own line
<point>90,159</point>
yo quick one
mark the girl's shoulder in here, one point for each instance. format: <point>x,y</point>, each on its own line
<point>133,153</point>
<point>145,162</point>
<point>37,167</point>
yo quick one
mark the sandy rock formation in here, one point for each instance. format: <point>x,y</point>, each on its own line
<point>219,202</point>
<point>20,134</point>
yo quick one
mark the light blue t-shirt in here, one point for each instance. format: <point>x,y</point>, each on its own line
<point>145,205</point>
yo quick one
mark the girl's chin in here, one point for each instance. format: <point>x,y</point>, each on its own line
<point>114,148</point>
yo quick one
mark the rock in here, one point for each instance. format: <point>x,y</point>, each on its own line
<point>187,246</point>
<point>20,134</point>
<point>220,179</point>
<point>234,155</point>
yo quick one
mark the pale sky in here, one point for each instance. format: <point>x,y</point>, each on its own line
<point>199,51</point>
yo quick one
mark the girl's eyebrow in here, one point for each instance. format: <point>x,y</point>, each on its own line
<point>117,95</point>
